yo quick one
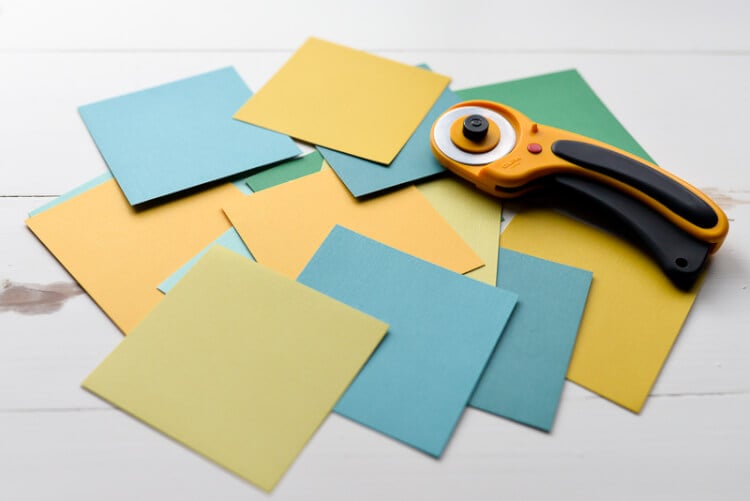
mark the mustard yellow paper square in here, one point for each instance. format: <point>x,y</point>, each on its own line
<point>633,314</point>
<point>119,254</point>
<point>284,225</point>
<point>239,364</point>
<point>346,100</point>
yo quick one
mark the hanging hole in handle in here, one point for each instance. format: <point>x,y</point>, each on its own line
<point>681,262</point>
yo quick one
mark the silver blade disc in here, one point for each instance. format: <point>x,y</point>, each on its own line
<point>442,136</point>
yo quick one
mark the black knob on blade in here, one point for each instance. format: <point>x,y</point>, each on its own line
<point>476,127</point>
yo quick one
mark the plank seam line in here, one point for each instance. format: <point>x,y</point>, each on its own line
<point>701,394</point>
<point>37,410</point>
<point>28,196</point>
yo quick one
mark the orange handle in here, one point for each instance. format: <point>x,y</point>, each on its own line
<point>541,151</point>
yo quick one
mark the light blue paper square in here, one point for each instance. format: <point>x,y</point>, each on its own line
<point>180,135</point>
<point>524,378</point>
<point>444,327</point>
<point>414,162</point>
<point>89,185</point>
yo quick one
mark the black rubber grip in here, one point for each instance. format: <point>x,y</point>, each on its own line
<point>678,254</point>
<point>640,176</point>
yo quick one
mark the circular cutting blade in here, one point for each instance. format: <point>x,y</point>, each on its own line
<point>442,136</point>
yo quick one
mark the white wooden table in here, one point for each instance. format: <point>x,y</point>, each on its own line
<point>676,74</point>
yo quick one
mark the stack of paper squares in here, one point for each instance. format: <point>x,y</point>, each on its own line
<point>388,302</point>
<point>443,328</point>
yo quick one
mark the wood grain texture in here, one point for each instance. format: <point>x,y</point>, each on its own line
<point>675,74</point>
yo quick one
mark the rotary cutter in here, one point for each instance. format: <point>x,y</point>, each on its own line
<point>506,154</point>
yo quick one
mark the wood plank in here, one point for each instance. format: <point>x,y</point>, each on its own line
<point>636,25</point>
<point>687,448</point>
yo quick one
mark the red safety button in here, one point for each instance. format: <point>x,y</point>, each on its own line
<point>534,148</point>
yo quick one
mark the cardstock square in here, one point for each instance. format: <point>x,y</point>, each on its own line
<point>562,99</point>
<point>286,171</point>
<point>180,135</point>
<point>283,226</point>
<point>443,329</point>
<point>247,394</point>
<point>414,162</point>
<point>346,100</point>
<point>120,254</point>
<point>524,378</point>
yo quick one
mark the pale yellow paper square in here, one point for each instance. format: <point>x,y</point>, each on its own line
<point>633,314</point>
<point>474,215</point>
<point>346,100</point>
<point>239,363</point>
<point>119,254</point>
<point>284,225</point>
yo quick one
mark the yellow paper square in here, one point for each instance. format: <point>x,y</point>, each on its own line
<point>474,215</point>
<point>633,314</point>
<point>239,363</point>
<point>346,100</point>
<point>283,226</point>
<point>119,254</point>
